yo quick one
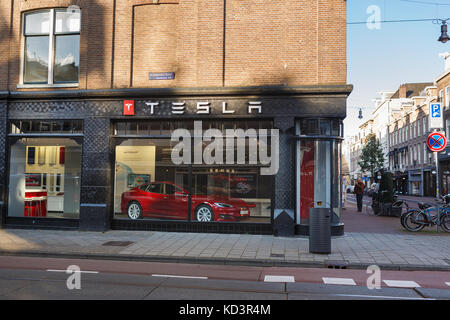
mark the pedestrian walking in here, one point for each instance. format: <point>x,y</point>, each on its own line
<point>359,192</point>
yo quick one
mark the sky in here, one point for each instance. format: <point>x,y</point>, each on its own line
<point>397,53</point>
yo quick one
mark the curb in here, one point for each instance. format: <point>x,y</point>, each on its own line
<point>223,261</point>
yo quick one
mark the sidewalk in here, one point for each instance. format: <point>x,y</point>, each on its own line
<point>354,249</point>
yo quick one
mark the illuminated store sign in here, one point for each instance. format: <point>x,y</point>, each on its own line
<point>200,108</point>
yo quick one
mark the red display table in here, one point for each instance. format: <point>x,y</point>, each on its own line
<point>35,204</point>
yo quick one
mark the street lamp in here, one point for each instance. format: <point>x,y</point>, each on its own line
<point>360,116</point>
<point>444,36</point>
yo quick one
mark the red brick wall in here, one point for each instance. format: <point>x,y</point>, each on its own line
<point>291,43</point>
<point>5,14</point>
<point>441,84</point>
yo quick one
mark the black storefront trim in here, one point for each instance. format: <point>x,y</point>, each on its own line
<point>41,223</point>
<point>185,226</point>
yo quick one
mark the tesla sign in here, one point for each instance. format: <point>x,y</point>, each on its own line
<point>193,107</point>
<point>128,108</point>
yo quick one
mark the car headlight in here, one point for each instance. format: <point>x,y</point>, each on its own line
<point>223,205</point>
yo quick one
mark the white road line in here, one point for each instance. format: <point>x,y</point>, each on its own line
<point>342,281</point>
<point>174,276</point>
<point>65,271</point>
<point>401,284</point>
<point>279,279</point>
<point>448,283</point>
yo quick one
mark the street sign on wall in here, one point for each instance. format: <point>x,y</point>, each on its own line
<point>436,116</point>
<point>436,141</point>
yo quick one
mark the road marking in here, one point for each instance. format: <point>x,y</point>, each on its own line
<point>342,281</point>
<point>279,279</point>
<point>448,283</point>
<point>401,284</point>
<point>71,271</point>
<point>174,276</point>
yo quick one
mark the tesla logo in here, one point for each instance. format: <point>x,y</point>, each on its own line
<point>128,108</point>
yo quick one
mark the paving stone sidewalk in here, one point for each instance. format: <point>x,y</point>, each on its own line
<point>358,250</point>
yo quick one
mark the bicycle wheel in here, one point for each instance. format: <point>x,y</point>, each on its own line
<point>445,222</point>
<point>414,220</point>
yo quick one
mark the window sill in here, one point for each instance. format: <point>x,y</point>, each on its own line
<point>37,86</point>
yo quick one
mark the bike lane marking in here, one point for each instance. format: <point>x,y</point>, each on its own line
<point>71,271</point>
<point>269,278</point>
<point>341,281</point>
<point>401,284</point>
<point>175,276</point>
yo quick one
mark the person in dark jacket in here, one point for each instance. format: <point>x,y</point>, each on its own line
<point>359,191</point>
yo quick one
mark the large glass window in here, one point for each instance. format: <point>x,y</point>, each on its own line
<point>319,169</point>
<point>45,178</point>
<point>149,185</point>
<point>52,47</point>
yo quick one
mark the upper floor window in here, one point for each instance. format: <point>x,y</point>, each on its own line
<point>447,97</point>
<point>51,47</point>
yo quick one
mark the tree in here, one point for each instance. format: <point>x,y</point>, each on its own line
<point>372,157</point>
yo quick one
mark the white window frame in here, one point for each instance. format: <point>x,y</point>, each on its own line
<point>447,97</point>
<point>51,47</point>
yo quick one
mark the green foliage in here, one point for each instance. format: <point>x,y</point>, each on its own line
<point>372,157</point>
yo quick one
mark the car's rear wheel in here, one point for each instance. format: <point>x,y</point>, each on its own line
<point>134,210</point>
<point>204,213</point>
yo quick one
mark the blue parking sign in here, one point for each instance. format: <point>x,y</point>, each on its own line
<point>435,110</point>
<point>436,119</point>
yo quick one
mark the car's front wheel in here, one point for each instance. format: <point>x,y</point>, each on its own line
<point>204,213</point>
<point>134,210</point>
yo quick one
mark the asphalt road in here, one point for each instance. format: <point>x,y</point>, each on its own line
<point>46,278</point>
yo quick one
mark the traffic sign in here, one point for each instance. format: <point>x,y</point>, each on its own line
<point>436,141</point>
<point>436,119</point>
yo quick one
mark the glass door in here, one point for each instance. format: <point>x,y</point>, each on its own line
<point>318,178</point>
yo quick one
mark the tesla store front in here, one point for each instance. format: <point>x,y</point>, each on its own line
<point>230,160</point>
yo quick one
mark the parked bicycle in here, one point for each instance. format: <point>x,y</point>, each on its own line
<point>428,215</point>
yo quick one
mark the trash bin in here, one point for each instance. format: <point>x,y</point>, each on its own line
<point>320,230</point>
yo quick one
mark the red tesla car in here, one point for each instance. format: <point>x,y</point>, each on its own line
<point>167,200</point>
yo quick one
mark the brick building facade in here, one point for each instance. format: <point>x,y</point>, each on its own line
<point>68,68</point>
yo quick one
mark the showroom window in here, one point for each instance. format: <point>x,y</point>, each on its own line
<point>319,167</point>
<point>51,47</point>
<point>44,177</point>
<point>150,186</point>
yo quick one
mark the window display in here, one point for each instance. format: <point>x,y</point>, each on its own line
<point>148,185</point>
<point>45,178</point>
